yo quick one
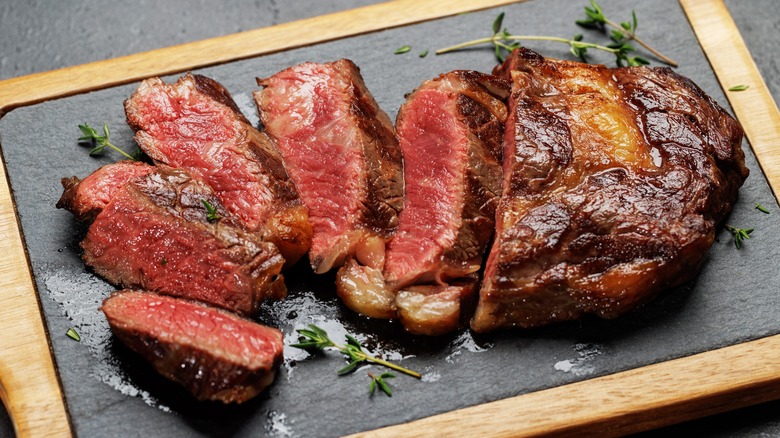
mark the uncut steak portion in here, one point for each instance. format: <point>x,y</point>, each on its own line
<point>450,131</point>
<point>155,234</point>
<point>195,124</point>
<point>214,354</point>
<point>86,198</point>
<point>614,183</point>
<point>340,150</point>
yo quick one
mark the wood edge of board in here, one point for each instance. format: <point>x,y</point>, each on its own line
<point>39,87</point>
<point>755,108</point>
<point>622,403</point>
<point>616,404</point>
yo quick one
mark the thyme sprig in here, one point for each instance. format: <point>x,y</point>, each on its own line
<point>504,42</point>
<point>740,234</point>
<point>100,142</point>
<point>621,33</point>
<point>379,381</point>
<point>315,338</point>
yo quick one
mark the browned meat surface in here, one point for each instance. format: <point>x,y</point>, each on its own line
<point>614,183</point>
<point>86,198</point>
<point>155,234</point>
<point>339,148</point>
<point>194,124</point>
<point>214,354</point>
<point>450,132</point>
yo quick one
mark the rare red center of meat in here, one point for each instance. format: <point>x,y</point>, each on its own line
<point>434,145</point>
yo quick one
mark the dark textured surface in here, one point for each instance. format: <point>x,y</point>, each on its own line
<point>712,313</point>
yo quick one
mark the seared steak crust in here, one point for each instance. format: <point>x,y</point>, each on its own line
<point>340,150</point>
<point>195,124</point>
<point>155,234</point>
<point>614,183</point>
<point>214,354</point>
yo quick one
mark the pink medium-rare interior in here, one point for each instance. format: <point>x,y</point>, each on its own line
<point>167,254</point>
<point>182,128</point>
<point>196,326</point>
<point>434,145</point>
<point>309,117</point>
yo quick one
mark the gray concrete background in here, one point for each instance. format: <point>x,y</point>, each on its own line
<point>44,35</point>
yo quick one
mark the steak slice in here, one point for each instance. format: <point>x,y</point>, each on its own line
<point>194,124</point>
<point>340,150</point>
<point>214,354</point>
<point>88,197</point>
<point>450,131</point>
<point>614,183</point>
<point>155,234</point>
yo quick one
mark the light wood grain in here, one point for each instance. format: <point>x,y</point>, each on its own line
<point>755,108</point>
<point>617,404</point>
<point>622,403</point>
<point>28,383</point>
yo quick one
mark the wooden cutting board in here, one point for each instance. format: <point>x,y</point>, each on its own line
<point>619,403</point>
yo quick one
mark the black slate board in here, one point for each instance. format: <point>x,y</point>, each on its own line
<point>111,393</point>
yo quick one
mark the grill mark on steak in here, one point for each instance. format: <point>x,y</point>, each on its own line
<point>86,198</point>
<point>214,354</point>
<point>154,234</point>
<point>614,183</point>
<point>195,124</point>
<point>340,150</point>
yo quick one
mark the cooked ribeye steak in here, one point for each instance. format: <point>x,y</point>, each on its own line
<point>450,131</point>
<point>158,234</point>
<point>195,124</point>
<point>614,183</point>
<point>339,148</point>
<point>214,354</point>
<point>86,198</point>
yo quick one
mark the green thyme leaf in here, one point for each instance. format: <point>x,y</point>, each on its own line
<point>423,54</point>
<point>403,49</point>
<point>739,88</point>
<point>380,382</point>
<point>211,211</point>
<point>740,234</point>
<point>762,209</point>
<point>497,23</point>
<point>71,333</point>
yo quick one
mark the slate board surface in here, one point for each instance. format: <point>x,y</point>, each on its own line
<point>109,392</point>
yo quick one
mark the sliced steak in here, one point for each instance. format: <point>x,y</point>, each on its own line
<point>86,198</point>
<point>339,148</point>
<point>155,234</point>
<point>195,124</point>
<point>450,132</point>
<point>214,354</point>
<point>614,183</point>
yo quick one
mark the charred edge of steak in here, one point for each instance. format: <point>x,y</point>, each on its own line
<point>86,198</point>
<point>216,91</point>
<point>575,236</point>
<point>156,234</point>
<point>384,179</point>
<point>171,334</point>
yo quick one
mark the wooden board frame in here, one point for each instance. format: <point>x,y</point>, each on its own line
<point>617,404</point>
